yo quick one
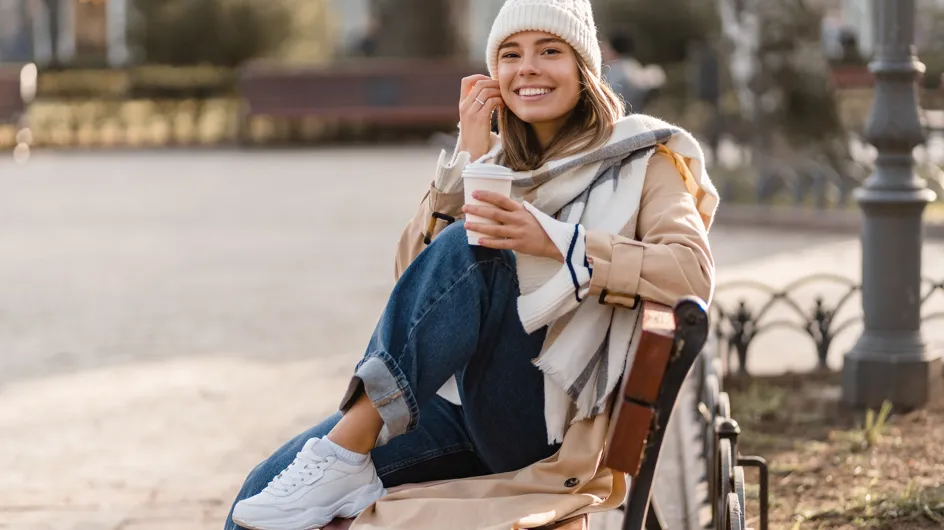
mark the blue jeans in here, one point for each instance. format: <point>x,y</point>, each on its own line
<point>453,312</point>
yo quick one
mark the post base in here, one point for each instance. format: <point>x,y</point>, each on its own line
<point>902,370</point>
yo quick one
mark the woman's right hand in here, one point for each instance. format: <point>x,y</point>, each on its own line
<point>480,96</point>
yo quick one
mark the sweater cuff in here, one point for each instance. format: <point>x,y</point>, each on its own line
<point>566,289</point>
<point>449,172</point>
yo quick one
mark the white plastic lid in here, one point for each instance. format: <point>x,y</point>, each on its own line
<point>488,171</point>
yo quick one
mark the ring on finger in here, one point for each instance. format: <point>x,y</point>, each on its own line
<point>480,101</point>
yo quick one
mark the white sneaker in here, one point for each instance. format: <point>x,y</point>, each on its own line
<point>314,489</point>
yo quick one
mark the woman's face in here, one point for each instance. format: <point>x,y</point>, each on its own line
<point>539,79</point>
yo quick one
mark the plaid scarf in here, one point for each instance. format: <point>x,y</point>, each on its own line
<point>588,343</point>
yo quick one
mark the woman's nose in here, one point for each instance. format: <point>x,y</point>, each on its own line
<point>529,67</point>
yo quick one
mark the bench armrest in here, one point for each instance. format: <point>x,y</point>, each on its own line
<point>634,407</point>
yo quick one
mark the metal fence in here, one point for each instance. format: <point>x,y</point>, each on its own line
<point>736,325</point>
<point>724,465</point>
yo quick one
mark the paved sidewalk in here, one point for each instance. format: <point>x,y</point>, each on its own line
<point>152,445</point>
<point>167,320</point>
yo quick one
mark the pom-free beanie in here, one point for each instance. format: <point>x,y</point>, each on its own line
<point>571,20</point>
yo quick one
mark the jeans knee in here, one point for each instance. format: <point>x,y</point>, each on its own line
<point>453,236</point>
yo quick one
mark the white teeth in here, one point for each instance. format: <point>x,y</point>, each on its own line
<point>534,91</point>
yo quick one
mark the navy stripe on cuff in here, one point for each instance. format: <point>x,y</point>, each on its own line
<point>570,264</point>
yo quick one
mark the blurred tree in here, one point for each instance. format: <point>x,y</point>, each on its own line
<point>661,30</point>
<point>676,35</point>
<point>781,76</point>
<point>420,29</point>
<point>313,37</point>
<point>931,41</point>
<point>216,32</point>
<point>769,84</point>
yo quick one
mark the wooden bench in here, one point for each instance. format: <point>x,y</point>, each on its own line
<point>672,339</point>
<point>381,93</point>
<point>11,102</point>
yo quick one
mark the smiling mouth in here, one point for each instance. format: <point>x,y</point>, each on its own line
<point>533,93</point>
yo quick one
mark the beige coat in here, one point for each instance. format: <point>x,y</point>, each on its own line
<point>671,259</point>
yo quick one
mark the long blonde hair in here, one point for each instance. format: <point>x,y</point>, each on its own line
<point>589,126</point>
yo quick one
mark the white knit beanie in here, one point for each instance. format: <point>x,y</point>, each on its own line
<point>571,20</point>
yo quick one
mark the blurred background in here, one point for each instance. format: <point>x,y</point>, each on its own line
<point>179,180</point>
<point>130,73</point>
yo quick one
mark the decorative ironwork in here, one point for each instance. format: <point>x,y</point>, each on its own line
<point>724,465</point>
<point>737,325</point>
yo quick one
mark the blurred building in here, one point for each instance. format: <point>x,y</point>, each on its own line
<point>64,31</point>
<point>856,16</point>
<point>15,36</point>
<point>95,31</point>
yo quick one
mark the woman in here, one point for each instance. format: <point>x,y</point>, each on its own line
<point>606,209</point>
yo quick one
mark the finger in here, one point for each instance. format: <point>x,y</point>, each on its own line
<point>496,199</point>
<point>484,109</point>
<point>499,244</point>
<point>496,231</point>
<point>478,100</point>
<point>481,86</point>
<point>486,93</point>
<point>489,212</point>
<point>478,96</point>
<point>468,82</point>
<point>468,95</point>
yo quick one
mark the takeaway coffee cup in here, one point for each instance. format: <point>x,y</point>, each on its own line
<point>484,177</point>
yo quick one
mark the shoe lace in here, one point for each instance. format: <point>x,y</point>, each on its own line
<point>305,465</point>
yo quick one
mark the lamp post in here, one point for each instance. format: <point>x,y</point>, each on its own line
<point>891,360</point>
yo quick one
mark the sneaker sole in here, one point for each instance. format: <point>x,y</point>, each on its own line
<point>351,505</point>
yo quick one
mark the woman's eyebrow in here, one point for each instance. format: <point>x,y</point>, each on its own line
<point>545,40</point>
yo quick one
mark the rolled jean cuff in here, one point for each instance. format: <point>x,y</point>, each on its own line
<point>387,388</point>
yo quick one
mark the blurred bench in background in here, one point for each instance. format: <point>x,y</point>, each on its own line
<point>385,93</point>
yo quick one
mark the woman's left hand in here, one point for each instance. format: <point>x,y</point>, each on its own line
<point>517,230</point>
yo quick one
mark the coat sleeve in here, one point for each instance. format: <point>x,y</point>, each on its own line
<point>671,257</point>
<point>448,177</point>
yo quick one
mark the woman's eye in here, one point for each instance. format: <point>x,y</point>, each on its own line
<point>509,55</point>
<point>551,51</point>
